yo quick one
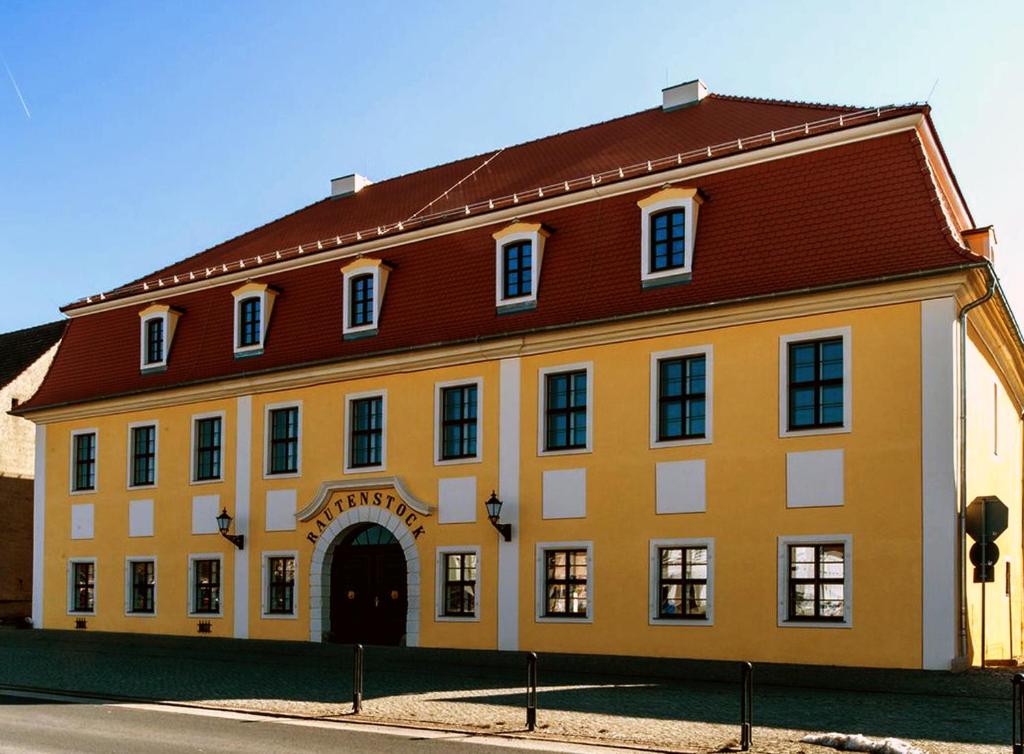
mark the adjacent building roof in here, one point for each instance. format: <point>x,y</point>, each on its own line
<point>21,348</point>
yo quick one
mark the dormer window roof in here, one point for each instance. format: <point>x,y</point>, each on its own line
<point>254,303</point>
<point>364,282</point>
<point>519,251</point>
<point>157,325</point>
<point>668,227</point>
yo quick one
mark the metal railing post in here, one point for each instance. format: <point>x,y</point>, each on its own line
<point>747,706</point>
<point>357,679</point>
<point>531,691</point>
<point>1018,713</point>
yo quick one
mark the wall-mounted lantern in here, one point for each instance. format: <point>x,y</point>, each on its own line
<point>223,524</point>
<point>493,506</point>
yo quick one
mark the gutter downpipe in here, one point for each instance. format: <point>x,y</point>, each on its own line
<point>962,515</point>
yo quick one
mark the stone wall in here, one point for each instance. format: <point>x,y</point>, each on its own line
<point>17,435</point>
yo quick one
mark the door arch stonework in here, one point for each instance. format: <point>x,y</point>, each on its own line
<point>323,555</point>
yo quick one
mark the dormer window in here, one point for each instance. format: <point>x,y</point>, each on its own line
<point>364,283</point>
<point>254,303</point>
<point>668,225</point>
<point>249,322</point>
<point>519,250</point>
<point>158,323</point>
<point>361,300</point>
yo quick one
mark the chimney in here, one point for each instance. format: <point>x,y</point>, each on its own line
<point>348,184</point>
<point>681,95</point>
<point>982,241</point>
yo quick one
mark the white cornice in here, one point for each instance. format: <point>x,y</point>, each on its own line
<point>780,151</point>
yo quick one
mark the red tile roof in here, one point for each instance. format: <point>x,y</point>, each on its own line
<point>840,215</point>
<point>653,134</point>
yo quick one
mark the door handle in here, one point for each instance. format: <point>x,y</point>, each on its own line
<point>376,601</point>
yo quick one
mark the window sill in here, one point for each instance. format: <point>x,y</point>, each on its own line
<point>680,443</point>
<point>369,332</point>
<point>363,469</point>
<point>206,615</point>
<point>566,452</point>
<point>83,492</point>
<point>456,618</point>
<point>815,624</point>
<point>658,280</point>
<point>512,306</point>
<point>457,461</point>
<point>130,614</point>
<point>278,616</point>
<point>142,487</point>
<point>81,614</point>
<point>196,482</point>
<point>681,622</point>
<point>154,369</point>
<point>270,475</point>
<point>845,429</point>
<point>246,353</point>
<point>567,619</point>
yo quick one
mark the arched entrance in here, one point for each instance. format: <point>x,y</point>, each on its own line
<point>368,587</point>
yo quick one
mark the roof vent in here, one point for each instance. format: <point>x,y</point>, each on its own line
<point>681,95</point>
<point>348,184</point>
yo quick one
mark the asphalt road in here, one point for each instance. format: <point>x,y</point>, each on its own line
<point>45,725</point>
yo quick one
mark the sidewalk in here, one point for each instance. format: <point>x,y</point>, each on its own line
<point>664,704</point>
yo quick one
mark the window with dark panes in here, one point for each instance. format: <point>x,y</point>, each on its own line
<point>681,398</point>
<point>668,240</point>
<point>284,440</point>
<point>281,585</point>
<point>361,300</point>
<point>84,462</point>
<point>817,582</point>
<point>249,322</point>
<point>682,582</point>
<point>206,586</point>
<point>83,587</point>
<point>367,431</point>
<point>565,583</point>
<point>154,341</point>
<point>143,441</point>
<point>566,411</point>
<point>143,575</point>
<point>460,584</point>
<point>208,448</point>
<point>458,422</point>
<point>517,269</point>
<point>816,384</point>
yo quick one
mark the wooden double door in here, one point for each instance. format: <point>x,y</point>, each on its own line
<point>368,589</point>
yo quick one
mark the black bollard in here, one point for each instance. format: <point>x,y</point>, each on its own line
<point>1018,713</point>
<point>746,706</point>
<point>531,691</point>
<point>357,679</point>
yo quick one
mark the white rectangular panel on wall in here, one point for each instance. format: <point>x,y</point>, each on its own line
<point>456,500</point>
<point>565,493</point>
<point>814,479</point>
<point>204,514</point>
<point>82,521</point>
<point>140,518</point>
<point>680,487</point>
<point>281,510</point>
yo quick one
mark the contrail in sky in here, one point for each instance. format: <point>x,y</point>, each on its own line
<point>17,90</point>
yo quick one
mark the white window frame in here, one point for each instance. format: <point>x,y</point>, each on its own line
<point>155,424</point>
<point>238,297</point>
<point>783,579</point>
<point>128,561</point>
<point>349,397</point>
<point>542,399</point>
<point>194,447</point>
<point>709,382</point>
<point>649,277</point>
<point>266,442</point>
<point>439,584</point>
<point>265,557</point>
<point>540,585</point>
<point>536,239</point>
<point>439,388</point>
<point>654,575</point>
<point>191,590</point>
<point>846,333</point>
<point>71,463</point>
<point>348,329</point>
<point>71,586</point>
<point>165,319</point>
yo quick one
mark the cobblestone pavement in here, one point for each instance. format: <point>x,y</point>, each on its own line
<point>669,705</point>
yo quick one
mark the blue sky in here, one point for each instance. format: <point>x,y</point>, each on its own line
<point>149,132</point>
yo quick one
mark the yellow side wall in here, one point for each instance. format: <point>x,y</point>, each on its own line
<point>994,462</point>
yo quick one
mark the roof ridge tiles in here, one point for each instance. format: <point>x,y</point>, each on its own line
<point>793,102</point>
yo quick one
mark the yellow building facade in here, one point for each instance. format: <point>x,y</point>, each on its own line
<point>752,536</point>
